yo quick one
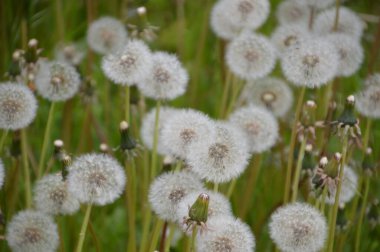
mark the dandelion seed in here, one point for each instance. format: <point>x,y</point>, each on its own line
<point>57,81</point>
<point>2,174</point>
<point>250,56</point>
<point>69,53</point>
<point>368,100</point>
<point>168,190</point>
<point>17,106</point>
<point>32,231</point>
<point>106,35</point>
<point>298,227</point>
<point>289,35</point>
<point>292,11</point>
<point>348,190</point>
<point>220,23</point>
<point>226,234</point>
<point>259,125</point>
<point>96,178</point>
<point>129,65</point>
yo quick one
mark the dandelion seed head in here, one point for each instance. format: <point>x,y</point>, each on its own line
<point>221,24</point>
<point>129,65</point>
<point>289,35</point>
<point>32,231</point>
<point>96,178</point>
<point>316,4</point>
<point>292,11</point>
<point>298,227</point>
<point>18,106</point>
<point>368,100</point>
<point>348,189</point>
<point>169,189</point>
<point>250,56</point>
<point>69,53</point>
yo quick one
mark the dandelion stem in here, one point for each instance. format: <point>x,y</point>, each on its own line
<point>131,204</point>
<point>323,201</point>
<point>83,229</point>
<point>2,140</point>
<point>127,102</point>
<point>146,224</point>
<point>362,212</point>
<point>28,190</point>
<point>163,236</point>
<point>366,134</point>
<point>155,140</point>
<point>236,88</point>
<point>216,186</point>
<point>60,20</point>
<point>336,21</point>
<point>292,144</point>
<point>193,238</point>
<point>231,188</point>
<point>155,235</point>
<point>46,140</point>
<point>226,88</point>
<point>170,238</point>
<point>301,154</point>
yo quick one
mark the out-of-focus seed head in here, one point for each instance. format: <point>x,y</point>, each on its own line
<point>17,106</point>
<point>221,24</point>
<point>368,99</point>
<point>348,190</point>
<point>141,10</point>
<point>316,4</point>
<point>289,35</point>
<point>292,11</point>
<point>69,53</point>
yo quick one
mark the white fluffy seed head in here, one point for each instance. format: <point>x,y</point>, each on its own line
<point>51,196</point>
<point>316,4</point>
<point>148,124</point>
<point>269,92</point>
<point>2,174</point>
<point>32,231</point>
<point>292,11</point>
<point>57,81</point>
<point>289,35</point>
<point>129,65</point>
<point>311,63</point>
<point>96,178</point>
<point>226,234</point>
<point>250,56</point>
<point>259,126</point>
<point>348,190</point>
<point>368,100</point>
<point>167,78</point>
<point>349,23</point>
<point>106,35</point>
<point>18,106</point>
<point>168,190</point>
<point>221,157</point>
<point>221,24</point>
<point>298,227</point>
<point>183,128</point>
<point>69,53</point>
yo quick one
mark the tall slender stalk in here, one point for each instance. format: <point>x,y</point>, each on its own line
<point>155,140</point>
<point>301,154</point>
<point>170,238</point>
<point>216,187</point>
<point>362,213</point>
<point>231,188</point>
<point>226,88</point>
<point>131,204</point>
<point>127,103</point>
<point>83,229</point>
<point>25,162</point>
<point>2,140</point>
<point>155,235</point>
<point>193,238</point>
<point>336,21</point>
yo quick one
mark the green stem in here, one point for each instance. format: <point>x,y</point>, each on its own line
<point>292,144</point>
<point>366,134</point>
<point>155,235</point>
<point>170,238</point>
<point>231,187</point>
<point>336,21</point>
<point>131,204</point>
<point>127,103</point>
<point>83,229</point>
<point>296,179</point>
<point>155,140</point>
<point>2,140</point>
<point>323,202</point>
<point>46,140</point>
<point>24,153</point>
<point>193,238</point>
<point>216,187</point>
<point>362,213</point>
<point>146,224</point>
<point>226,88</point>
<point>60,21</point>
<point>236,88</point>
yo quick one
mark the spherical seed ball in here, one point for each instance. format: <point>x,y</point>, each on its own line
<point>69,53</point>
<point>311,63</point>
<point>129,65</point>
<point>259,126</point>
<point>51,196</point>
<point>148,124</point>
<point>183,128</point>
<point>167,190</point>
<point>368,100</point>
<point>2,174</point>
<point>17,106</point>
<point>250,56</point>
<point>221,24</point>
<point>32,231</point>
<point>298,227</point>
<point>222,157</point>
<point>269,92</point>
<point>166,80</point>
<point>289,35</point>
<point>349,23</point>
<point>96,178</point>
<point>226,234</point>
<point>350,53</point>
<point>106,35</point>
<point>348,189</point>
<point>317,4</point>
<point>57,81</point>
<point>292,11</point>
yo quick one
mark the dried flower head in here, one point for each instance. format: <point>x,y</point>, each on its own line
<point>298,227</point>
<point>269,92</point>
<point>221,157</point>
<point>368,99</point>
<point>167,78</point>
<point>168,190</point>
<point>51,196</point>
<point>106,35</point>
<point>226,234</point>
<point>129,65</point>
<point>17,106</point>
<point>69,53</point>
<point>348,190</point>
<point>250,56</point>
<point>292,11</point>
<point>312,63</point>
<point>96,178</point>
<point>57,81</point>
<point>32,231</point>
<point>220,22</point>
<point>2,173</point>
<point>289,35</point>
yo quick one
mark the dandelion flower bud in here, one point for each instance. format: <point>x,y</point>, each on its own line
<point>222,157</point>
<point>168,190</point>
<point>141,10</point>
<point>103,147</point>
<point>96,178</point>
<point>106,35</point>
<point>226,234</point>
<point>368,100</point>
<point>17,106</point>
<point>298,227</point>
<point>250,56</point>
<point>129,65</point>
<point>289,35</point>
<point>32,231</point>
<point>220,22</point>
<point>349,23</point>
<point>348,190</point>
<point>259,126</point>
<point>269,92</point>
<point>69,53</point>
<point>57,81</point>
<point>291,11</point>
<point>312,63</point>
<point>166,80</point>
<point>323,162</point>
<point>51,196</point>
<point>33,43</point>
<point>183,128</point>
<point>2,174</point>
